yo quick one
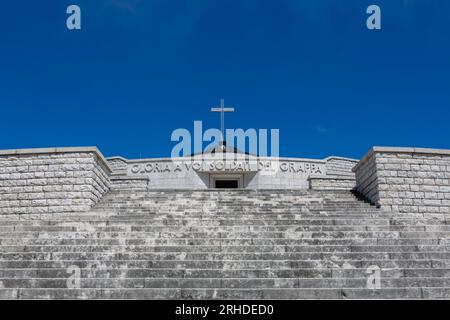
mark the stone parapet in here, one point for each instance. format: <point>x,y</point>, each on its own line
<point>332,183</point>
<point>52,180</point>
<point>339,166</point>
<point>129,183</point>
<point>118,165</point>
<point>406,180</point>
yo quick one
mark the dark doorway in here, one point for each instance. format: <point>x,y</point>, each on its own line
<point>227,184</point>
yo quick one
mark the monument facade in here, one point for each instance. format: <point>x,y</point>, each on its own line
<point>75,179</point>
<point>224,225</point>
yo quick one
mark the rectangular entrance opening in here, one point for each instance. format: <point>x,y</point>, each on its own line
<point>227,184</point>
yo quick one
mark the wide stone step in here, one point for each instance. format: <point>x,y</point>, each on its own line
<point>302,264</point>
<point>304,248</point>
<point>233,203</point>
<point>250,209</point>
<point>69,225</point>
<point>225,244</point>
<point>230,236</point>
<point>231,212</point>
<point>224,194</point>
<point>226,226</point>
<point>228,198</point>
<point>306,219</point>
<point>299,220</point>
<point>30,242</point>
<point>259,294</point>
<point>220,273</point>
<point>241,283</point>
<point>239,208</point>
<point>381,255</point>
<point>109,216</point>
<point>231,200</point>
<point>228,229</point>
<point>306,214</point>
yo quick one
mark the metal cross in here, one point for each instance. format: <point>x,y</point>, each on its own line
<point>222,111</point>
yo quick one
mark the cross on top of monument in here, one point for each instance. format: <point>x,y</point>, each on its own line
<point>222,109</point>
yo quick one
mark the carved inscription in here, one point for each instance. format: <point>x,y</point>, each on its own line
<point>227,166</point>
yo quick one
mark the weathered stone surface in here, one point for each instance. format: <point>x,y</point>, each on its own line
<point>332,183</point>
<point>129,183</point>
<point>139,242</point>
<point>51,180</point>
<point>241,244</point>
<point>406,180</point>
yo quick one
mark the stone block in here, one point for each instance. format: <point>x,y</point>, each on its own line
<point>52,174</point>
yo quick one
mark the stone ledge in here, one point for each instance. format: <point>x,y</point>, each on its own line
<point>38,151</point>
<point>331,177</point>
<point>117,158</point>
<point>181,159</point>
<point>262,158</point>
<point>114,178</point>
<point>340,158</point>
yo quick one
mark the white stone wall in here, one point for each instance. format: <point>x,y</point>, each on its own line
<point>338,166</point>
<point>181,174</point>
<point>367,179</point>
<point>408,180</point>
<point>292,173</point>
<point>118,165</point>
<point>51,180</point>
<point>128,183</point>
<point>332,183</point>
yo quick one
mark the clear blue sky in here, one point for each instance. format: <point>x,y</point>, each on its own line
<point>139,69</point>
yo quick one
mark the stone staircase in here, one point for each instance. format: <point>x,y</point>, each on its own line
<point>236,244</point>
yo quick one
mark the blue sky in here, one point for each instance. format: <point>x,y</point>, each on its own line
<point>139,69</point>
